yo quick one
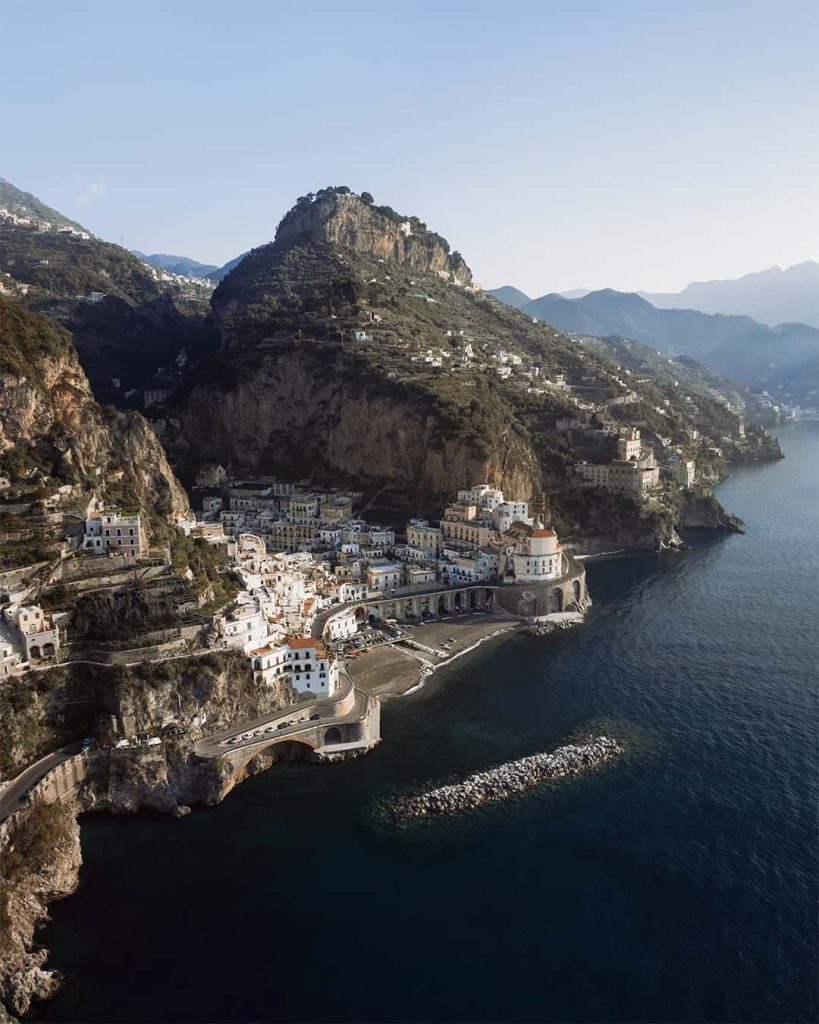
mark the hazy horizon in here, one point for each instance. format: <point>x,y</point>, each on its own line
<point>615,146</point>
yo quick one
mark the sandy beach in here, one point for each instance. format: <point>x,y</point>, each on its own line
<point>394,669</point>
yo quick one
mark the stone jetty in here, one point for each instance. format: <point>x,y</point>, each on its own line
<point>506,780</point>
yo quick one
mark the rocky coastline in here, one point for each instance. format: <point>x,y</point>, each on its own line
<point>40,861</point>
<point>503,782</point>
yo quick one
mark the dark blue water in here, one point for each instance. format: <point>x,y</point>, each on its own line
<point>680,885</point>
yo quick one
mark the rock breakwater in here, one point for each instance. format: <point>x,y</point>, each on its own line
<point>504,781</point>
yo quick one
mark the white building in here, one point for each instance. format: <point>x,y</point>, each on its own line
<point>511,512</point>
<point>385,577</point>
<point>37,631</point>
<point>540,556</point>
<point>303,661</point>
<point>113,533</point>
<point>342,625</point>
<point>245,627</point>
<point>481,495</point>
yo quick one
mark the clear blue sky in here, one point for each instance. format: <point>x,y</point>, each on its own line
<point>580,144</point>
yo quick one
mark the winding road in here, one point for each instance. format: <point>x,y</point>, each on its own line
<point>11,799</point>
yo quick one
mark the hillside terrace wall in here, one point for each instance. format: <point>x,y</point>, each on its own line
<point>105,567</point>
<point>12,578</point>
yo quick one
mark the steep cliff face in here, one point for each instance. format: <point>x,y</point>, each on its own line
<point>348,222</point>
<point>53,432</point>
<point>319,415</point>
<point>39,861</point>
<point>702,511</point>
<point>204,695</point>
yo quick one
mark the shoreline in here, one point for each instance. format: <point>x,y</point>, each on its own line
<point>399,669</point>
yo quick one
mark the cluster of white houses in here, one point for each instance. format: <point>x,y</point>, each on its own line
<point>315,554</point>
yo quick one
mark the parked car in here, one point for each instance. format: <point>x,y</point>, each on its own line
<point>315,718</point>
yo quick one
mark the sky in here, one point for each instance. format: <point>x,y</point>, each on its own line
<point>557,145</point>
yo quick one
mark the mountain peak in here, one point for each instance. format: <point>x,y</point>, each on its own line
<point>24,204</point>
<point>336,216</point>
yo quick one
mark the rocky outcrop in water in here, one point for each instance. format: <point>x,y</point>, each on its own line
<point>39,861</point>
<point>704,512</point>
<point>505,781</point>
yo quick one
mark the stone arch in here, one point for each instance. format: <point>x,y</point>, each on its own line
<point>461,600</point>
<point>48,650</point>
<point>556,600</point>
<point>34,652</point>
<point>409,609</point>
<point>360,614</point>
<point>576,591</point>
<point>333,735</point>
<point>442,605</point>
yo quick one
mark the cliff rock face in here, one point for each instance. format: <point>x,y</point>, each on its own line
<point>169,777</point>
<point>704,512</point>
<point>40,859</point>
<point>40,848</point>
<point>291,415</point>
<point>53,430</point>
<point>348,222</point>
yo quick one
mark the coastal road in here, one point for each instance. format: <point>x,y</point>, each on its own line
<point>12,795</point>
<point>297,717</point>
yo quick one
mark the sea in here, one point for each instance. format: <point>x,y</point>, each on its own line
<point>677,884</point>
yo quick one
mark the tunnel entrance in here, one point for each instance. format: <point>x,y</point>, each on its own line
<point>333,735</point>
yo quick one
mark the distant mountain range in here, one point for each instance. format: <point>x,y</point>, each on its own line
<point>186,267</point>
<point>781,358</point>
<point>773,296</point>
<point>181,265</point>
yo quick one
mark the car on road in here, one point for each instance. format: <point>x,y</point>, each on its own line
<point>282,725</point>
<point>315,718</point>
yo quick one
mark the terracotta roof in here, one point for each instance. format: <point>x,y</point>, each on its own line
<point>543,533</point>
<point>297,642</point>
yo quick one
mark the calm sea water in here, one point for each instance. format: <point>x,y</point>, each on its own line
<point>680,885</point>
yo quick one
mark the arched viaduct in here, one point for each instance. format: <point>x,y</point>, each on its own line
<point>527,600</point>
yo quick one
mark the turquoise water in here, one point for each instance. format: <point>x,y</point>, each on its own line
<point>679,885</point>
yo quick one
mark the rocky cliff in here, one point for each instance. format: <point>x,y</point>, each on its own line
<point>53,432</point>
<point>39,862</point>
<point>323,414</point>
<point>349,222</point>
<point>354,351</point>
<point>202,696</point>
<point>700,510</point>
<point>39,846</point>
